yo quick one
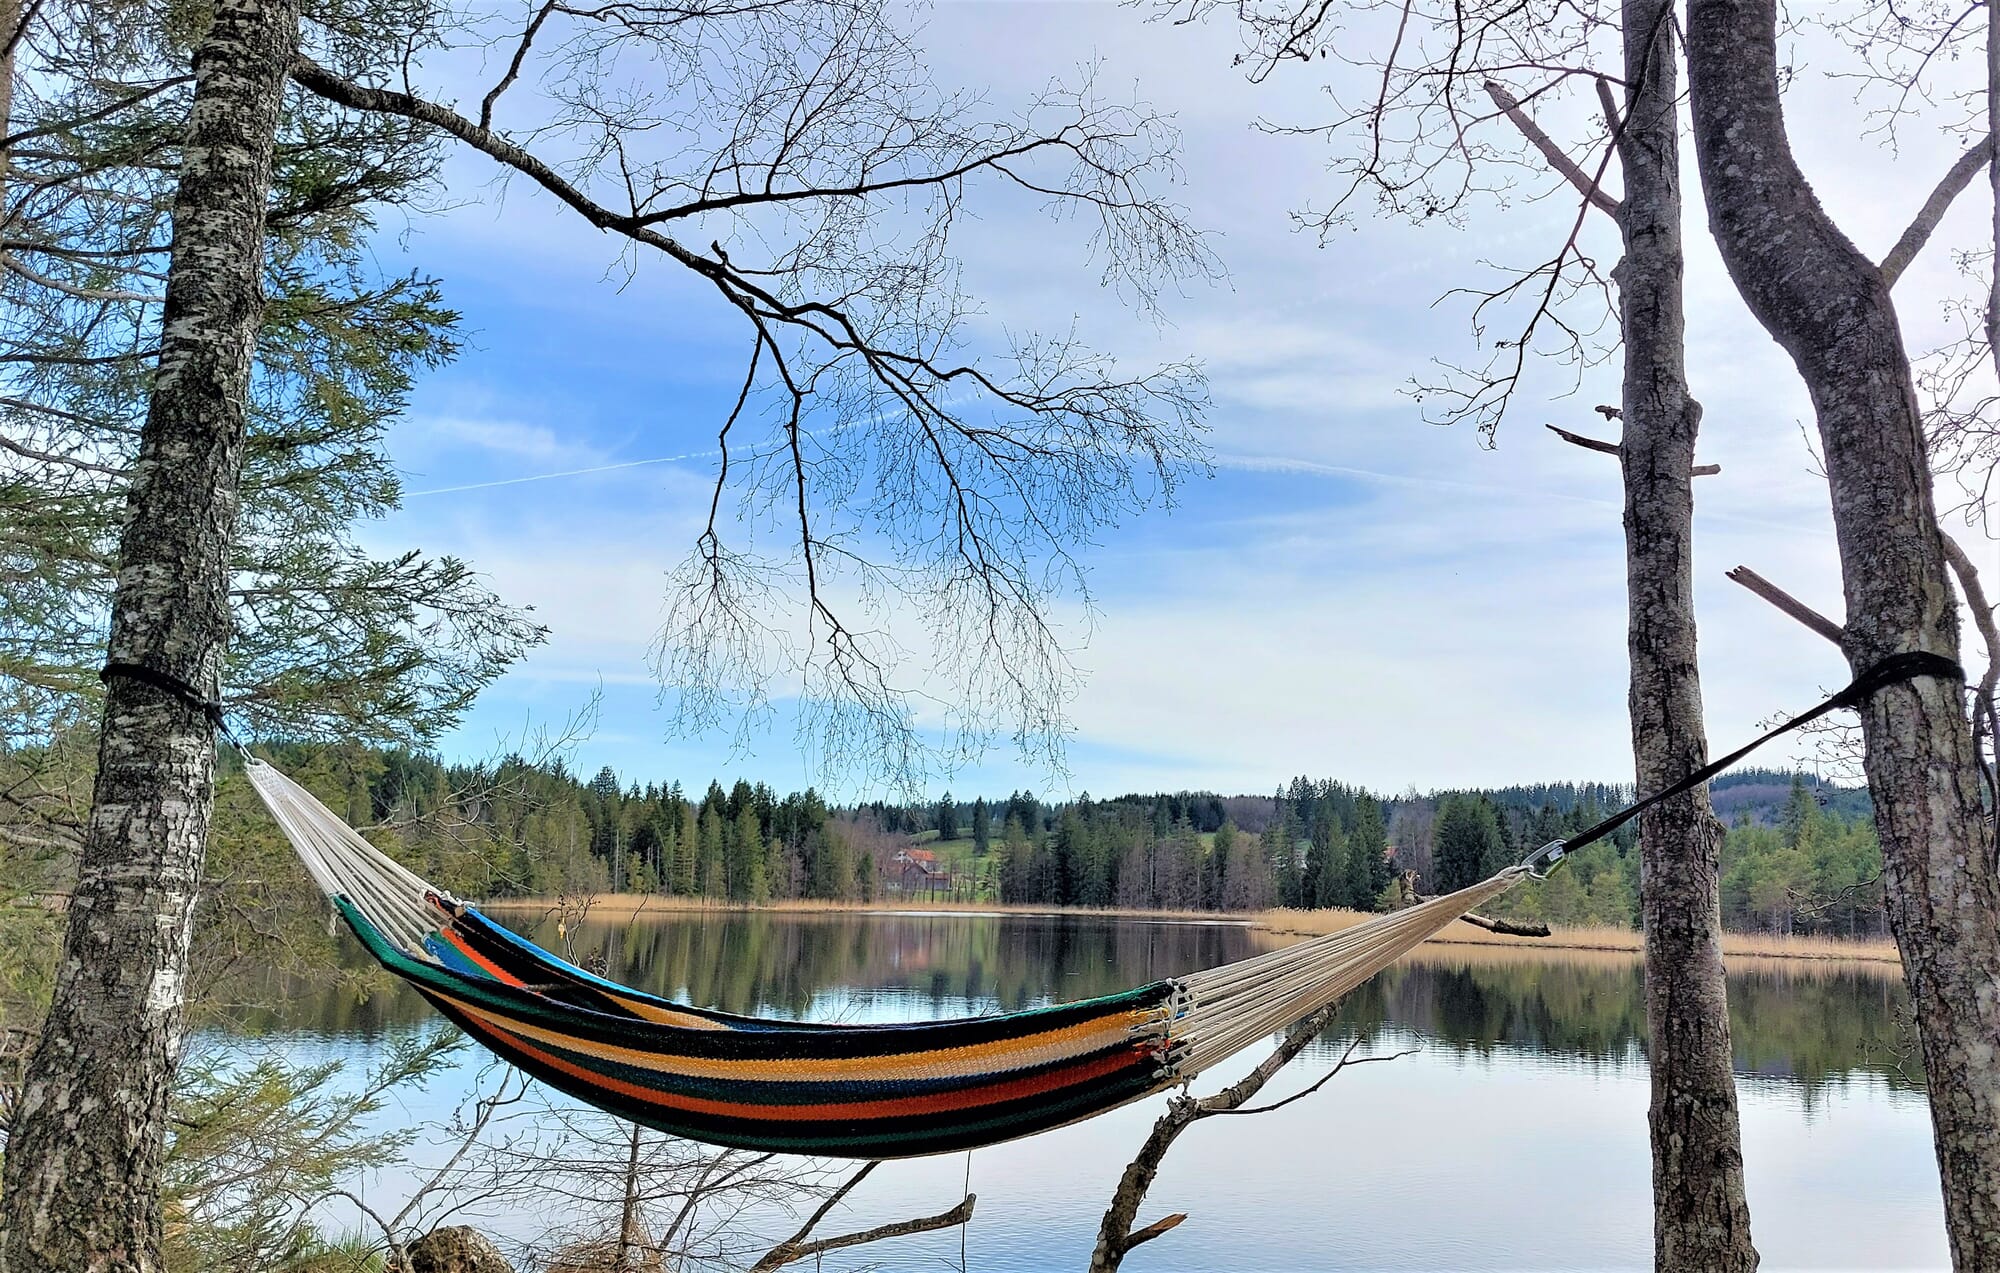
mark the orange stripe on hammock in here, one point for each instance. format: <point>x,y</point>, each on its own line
<point>492,969</point>
<point>901,1106</point>
<point>973,1060</point>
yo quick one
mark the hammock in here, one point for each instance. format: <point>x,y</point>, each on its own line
<point>868,1091</point>
<point>845,1091</point>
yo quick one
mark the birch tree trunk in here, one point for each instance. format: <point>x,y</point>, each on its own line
<point>1700,1219</point>
<point>1829,307</point>
<point>83,1157</point>
<point>11,22</point>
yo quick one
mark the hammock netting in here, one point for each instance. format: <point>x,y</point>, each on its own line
<point>848,1091</point>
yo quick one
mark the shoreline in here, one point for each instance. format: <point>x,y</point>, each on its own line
<point>1277,923</point>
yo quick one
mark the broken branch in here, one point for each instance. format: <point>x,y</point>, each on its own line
<point>1788,603</point>
<point>1155,1229</point>
<point>1511,107</point>
<point>1982,611</point>
<point>1614,122</point>
<point>793,1251</point>
<point>1611,448</point>
<point>1506,927</point>
<point>1588,444</point>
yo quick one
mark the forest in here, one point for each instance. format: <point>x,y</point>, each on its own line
<point>1800,855</point>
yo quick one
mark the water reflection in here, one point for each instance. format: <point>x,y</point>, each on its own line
<point>1809,1024</point>
<point>1812,1024</point>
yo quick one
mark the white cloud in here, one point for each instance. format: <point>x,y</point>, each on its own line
<point>534,442</point>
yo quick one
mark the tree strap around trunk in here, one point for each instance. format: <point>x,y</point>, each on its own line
<point>174,687</point>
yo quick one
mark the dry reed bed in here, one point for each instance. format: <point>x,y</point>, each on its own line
<point>1292,923</point>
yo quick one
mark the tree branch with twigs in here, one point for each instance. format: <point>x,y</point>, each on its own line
<point>905,467</point>
<point>1116,1237</point>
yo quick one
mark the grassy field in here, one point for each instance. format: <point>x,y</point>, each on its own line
<point>1280,924</point>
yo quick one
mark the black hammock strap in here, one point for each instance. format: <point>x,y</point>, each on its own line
<point>1893,670</point>
<point>173,687</point>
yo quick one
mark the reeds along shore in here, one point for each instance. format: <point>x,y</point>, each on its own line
<point>1278,923</point>
<point>1748,946</point>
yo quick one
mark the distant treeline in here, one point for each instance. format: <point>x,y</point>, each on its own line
<point>1800,855</point>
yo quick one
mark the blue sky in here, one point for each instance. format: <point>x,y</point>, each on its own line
<point>1353,593</point>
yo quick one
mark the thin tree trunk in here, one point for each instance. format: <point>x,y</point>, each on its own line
<point>83,1156</point>
<point>1700,1219</point>
<point>10,39</point>
<point>1993,182</point>
<point>1831,310</point>
<point>630,1240</point>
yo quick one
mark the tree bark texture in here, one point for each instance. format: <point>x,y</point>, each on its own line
<point>83,1157</point>
<point>1700,1219</point>
<point>1831,311</point>
<point>1993,184</point>
<point>11,19</point>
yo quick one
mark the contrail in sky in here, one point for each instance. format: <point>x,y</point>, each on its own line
<point>755,450</point>
<point>545,477</point>
<point>1241,463</point>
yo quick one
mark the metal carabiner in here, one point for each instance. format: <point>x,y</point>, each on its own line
<point>1543,860</point>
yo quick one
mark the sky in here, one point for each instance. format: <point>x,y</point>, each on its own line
<point>1351,592</point>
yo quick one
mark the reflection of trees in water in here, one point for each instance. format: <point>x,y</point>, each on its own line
<point>794,964</point>
<point>803,965</point>
<point>1817,1029</point>
<point>1812,1025</point>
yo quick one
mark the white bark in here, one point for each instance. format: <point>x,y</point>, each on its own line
<point>83,1156</point>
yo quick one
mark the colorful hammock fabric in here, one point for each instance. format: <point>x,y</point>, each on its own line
<point>850,1091</point>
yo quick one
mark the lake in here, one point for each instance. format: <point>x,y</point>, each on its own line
<point>1513,1136</point>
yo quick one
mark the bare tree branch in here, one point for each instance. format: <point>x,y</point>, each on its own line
<point>801,1246</point>
<point>1115,1235</point>
<point>1611,448</point>
<point>1786,602</point>
<point>833,1200</point>
<point>1558,160</point>
<point>1949,188</point>
<point>982,481</point>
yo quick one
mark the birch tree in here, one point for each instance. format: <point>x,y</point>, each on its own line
<point>802,140</point>
<point>324,638</point>
<point>89,1126</point>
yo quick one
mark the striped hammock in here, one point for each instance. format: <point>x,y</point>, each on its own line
<point>847,1091</point>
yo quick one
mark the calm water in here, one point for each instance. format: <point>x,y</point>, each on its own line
<point>1514,1137</point>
